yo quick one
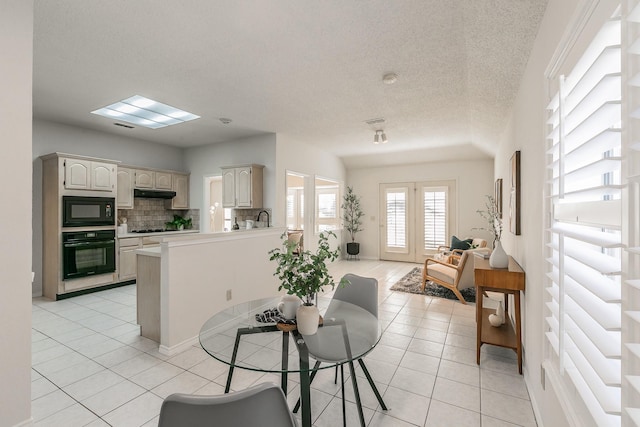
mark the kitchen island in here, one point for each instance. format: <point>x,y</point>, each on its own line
<point>187,277</point>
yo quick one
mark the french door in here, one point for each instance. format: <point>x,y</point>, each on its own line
<point>415,218</point>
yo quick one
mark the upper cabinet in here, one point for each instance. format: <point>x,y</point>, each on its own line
<point>80,174</point>
<point>153,179</point>
<point>131,177</point>
<point>124,198</point>
<point>181,187</point>
<point>242,186</point>
<point>145,179</point>
<point>163,180</point>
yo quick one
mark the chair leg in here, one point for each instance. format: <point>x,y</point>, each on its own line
<point>459,295</point>
<point>335,378</point>
<point>344,407</point>
<point>372,384</point>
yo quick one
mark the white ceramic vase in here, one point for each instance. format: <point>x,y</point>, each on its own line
<point>307,318</point>
<point>498,258</point>
<point>500,312</point>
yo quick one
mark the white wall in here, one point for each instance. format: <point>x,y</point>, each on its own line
<point>526,133</point>
<point>474,181</point>
<point>206,161</point>
<point>49,137</point>
<point>16,50</point>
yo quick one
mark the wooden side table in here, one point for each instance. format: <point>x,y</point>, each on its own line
<point>508,280</point>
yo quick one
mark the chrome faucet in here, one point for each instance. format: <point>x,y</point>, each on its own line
<point>260,213</point>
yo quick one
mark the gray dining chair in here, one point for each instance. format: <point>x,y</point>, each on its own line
<point>263,405</point>
<point>361,292</point>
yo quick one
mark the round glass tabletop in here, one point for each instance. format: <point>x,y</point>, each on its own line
<point>348,333</point>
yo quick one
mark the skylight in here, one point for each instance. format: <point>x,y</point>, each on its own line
<point>146,112</point>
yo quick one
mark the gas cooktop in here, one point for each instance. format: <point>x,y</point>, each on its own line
<point>149,230</point>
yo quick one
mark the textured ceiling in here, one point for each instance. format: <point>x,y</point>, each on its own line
<point>309,69</point>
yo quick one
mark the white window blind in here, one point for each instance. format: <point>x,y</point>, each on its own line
<point>584,236</point>
<point>396,207</point>
<point>435,217</point>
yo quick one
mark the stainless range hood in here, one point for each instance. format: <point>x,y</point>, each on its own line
<point>153,194</point>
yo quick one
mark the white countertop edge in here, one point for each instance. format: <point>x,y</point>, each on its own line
<point>153,251</point>
<point>203,238</point>
<point>159,233</point>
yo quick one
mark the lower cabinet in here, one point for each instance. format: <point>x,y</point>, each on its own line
<point>127,258</point>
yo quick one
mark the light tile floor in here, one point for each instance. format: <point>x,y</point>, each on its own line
<point>90,366</point>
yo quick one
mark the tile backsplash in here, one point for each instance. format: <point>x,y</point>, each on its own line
<point>251,214</point>
<point>152,214</point>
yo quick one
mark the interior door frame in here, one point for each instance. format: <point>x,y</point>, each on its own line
<point>415,217</point>
<point>407,255</point>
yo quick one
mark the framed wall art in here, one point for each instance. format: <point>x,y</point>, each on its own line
<point>498,196</point>
<point>514,194</point>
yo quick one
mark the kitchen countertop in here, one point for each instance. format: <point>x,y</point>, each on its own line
<point>159,233</point>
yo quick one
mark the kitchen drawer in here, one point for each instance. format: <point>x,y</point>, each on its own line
<point>129,241</point>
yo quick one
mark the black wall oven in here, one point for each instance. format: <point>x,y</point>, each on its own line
<point>88,211</point>
<point>86,253</point>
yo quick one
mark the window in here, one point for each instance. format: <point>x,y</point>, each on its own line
<point>327,205</point>
<point>584,229</point>
<point>435,217</point>
<point>295,200</point>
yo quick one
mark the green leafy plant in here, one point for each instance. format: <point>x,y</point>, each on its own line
<point>493,218</point>
<point>352,213</point>
<point>179,221</point>
<point>306,273</point>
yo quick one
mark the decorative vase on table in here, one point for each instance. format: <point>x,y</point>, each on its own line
<point>307,319</point>
<point>498,258</point>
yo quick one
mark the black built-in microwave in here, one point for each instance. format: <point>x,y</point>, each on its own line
<point>80,211</point>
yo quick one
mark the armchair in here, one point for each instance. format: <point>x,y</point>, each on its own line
<point>452,275</point>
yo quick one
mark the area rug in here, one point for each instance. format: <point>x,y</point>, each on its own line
<point>412,283</point>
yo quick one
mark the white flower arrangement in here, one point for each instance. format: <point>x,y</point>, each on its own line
<point>492,215</point>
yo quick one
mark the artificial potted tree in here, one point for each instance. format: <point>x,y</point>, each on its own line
<point>352,217</point>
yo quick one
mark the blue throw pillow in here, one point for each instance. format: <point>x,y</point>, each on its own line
<point>460,244</point>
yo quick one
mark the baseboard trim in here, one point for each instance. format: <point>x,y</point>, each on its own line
<point>92,290</point>
<point>25,423</point>
<point>178,348</point>
<point>534,402</point>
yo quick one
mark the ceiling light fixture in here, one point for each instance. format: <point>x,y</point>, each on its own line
<point>146,112</point>
<point>225,121</point>
<point>380,136</point>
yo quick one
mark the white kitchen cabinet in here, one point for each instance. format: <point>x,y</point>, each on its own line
<point>145,178</point>
<point>181,187</point>
<point>103,176</point>
<point>127,264</point>
<point>163,180</point>
<point>82,174</point>
<point>124,198</point>
<point>242,186</point>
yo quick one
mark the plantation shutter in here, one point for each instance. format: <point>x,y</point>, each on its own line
<point>435,217</point>
<point>396,212</point>
<point>584,227</point>
<point>631,227</point>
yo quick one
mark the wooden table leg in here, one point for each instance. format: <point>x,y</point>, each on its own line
<point>479,291</point>
<point>516,297</point>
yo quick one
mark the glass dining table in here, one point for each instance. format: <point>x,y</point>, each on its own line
<point>237,338</point>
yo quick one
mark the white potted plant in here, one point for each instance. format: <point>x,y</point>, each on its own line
<point>352,217</point>
<point>305,274</point>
